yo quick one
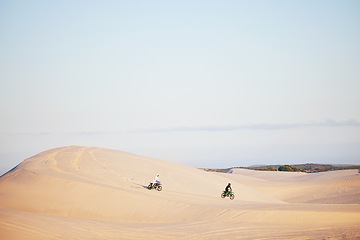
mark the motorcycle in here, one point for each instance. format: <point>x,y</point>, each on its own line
<point>156,186</point>
<point>231,195</point>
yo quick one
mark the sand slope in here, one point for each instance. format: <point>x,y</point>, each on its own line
<point>94,193</point>
<point>337,187</point>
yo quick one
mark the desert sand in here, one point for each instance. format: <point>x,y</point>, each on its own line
<point>94,193</point>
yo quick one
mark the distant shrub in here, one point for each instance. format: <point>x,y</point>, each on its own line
<point>308,168</point>
<point>267,169</point>
<point>289,168</point>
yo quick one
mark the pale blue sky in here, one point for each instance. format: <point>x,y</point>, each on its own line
<point>203,83</point>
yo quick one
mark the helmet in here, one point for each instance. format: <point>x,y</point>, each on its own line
<point>229,184</point>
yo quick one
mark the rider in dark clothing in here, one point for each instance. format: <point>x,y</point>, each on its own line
<point>228,188</point>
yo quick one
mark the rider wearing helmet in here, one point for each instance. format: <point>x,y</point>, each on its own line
<point>156,179</point>
<point>228,188</point>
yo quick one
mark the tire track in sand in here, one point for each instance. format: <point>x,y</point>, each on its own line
<point>112,171</point>
<point>54,163</point>
<point>75,162</point>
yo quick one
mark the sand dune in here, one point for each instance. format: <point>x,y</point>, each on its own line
<point>95,193</point>
<point>338,187</point>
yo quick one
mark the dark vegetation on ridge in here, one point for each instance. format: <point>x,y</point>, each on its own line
<point>308,168</point>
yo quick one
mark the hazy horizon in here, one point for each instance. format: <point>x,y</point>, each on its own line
<point>201,83</point>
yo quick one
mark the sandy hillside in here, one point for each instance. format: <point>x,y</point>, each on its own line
<point>337,187</point>
<point>94,193</point>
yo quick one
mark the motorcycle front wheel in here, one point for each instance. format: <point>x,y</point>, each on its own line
<point>159,188</point>
<point>232,196</point>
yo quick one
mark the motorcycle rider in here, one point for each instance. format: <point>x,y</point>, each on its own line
<point>156,180</point>
<point>228,188</point>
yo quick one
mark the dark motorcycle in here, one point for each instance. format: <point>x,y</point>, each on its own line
<point>231,195</point>
<point>156,186</point>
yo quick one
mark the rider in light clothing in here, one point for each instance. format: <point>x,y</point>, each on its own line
<point>156,179</point>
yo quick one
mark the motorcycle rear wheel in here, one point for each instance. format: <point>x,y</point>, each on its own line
<point>223,195</point>
<point>232,196</point>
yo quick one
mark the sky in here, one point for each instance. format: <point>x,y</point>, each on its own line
<point>212,84</point>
